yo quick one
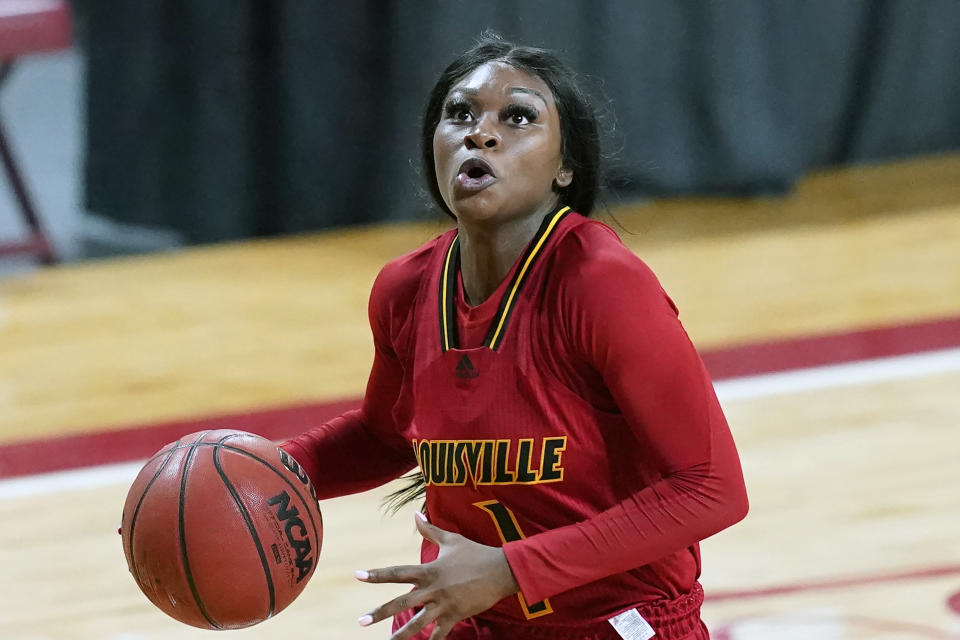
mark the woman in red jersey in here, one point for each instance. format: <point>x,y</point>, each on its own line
<point>568,440</point>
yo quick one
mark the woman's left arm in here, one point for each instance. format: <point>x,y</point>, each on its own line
<point>626,328</point>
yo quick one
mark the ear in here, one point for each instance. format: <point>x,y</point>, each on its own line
<point>564,177</point>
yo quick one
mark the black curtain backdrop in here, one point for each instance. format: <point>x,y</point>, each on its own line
<point>225,120</point>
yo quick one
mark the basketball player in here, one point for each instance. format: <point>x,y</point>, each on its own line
<point>569,441</point>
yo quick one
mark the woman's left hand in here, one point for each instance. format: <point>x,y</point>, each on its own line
<point>466,578</point>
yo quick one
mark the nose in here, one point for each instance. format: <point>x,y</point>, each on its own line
<point>481,136</point>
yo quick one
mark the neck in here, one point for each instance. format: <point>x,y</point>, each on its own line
<point>489,250</point>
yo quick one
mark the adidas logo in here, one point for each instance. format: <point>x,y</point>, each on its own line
<point>465,368</point>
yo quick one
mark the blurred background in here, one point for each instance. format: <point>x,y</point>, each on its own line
<point>179,122</point>
<point>197,195</point>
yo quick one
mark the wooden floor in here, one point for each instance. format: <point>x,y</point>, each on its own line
<point>854,482</point>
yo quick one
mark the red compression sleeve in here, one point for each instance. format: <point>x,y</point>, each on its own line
<point>362,449</point>
<point>626,328</point>
<point>343,456</point>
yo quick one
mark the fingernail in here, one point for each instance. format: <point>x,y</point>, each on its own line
<point>360,574</point>
<point>365,620</point>
<point>420,515</point>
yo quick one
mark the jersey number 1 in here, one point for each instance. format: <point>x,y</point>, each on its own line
<point>507,527</point>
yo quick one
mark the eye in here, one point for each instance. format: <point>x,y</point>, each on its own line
<point>521,114</point>
<point>458,110</point>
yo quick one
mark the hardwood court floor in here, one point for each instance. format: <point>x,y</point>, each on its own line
<point>854,530</point>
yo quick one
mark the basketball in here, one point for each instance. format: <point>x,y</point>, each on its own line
<point>221,529</point>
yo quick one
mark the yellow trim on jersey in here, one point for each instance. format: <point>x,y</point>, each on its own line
<point>449,338</point>
<point>523,271</point>
<point>443,289</point>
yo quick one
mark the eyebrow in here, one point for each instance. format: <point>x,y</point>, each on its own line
<point>526,90</point>
<point>472,92</point>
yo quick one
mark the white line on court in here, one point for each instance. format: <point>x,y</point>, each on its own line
<point>915,365</point>
<point>72,480</point>
<point>748,387</point>
<point>822,624</point>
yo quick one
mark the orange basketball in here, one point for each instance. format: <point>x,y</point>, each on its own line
<point>221,529</point>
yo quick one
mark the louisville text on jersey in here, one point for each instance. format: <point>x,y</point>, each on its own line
<point>486,462</point>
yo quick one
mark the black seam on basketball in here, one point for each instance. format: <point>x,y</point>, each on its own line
<point>136,511</point>
<point>162,451</point>
<point>184,446</point>
<point>183,535</point>
<point>271,467</point>
<point>448,314</point>
<point>248,521</point>
<point>519,279</point>
<point>293,487</point>
<point>306,503</point>
<point>175,448</point>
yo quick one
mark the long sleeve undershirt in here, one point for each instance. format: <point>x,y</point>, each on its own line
<point>634,350</point>
<point>363,449</point>
<point>630,350</point>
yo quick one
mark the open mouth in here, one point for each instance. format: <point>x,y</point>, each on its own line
<point>475,174</point>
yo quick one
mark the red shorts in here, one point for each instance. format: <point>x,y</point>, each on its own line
<point>672,620</point>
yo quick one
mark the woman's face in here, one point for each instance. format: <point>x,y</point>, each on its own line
<point>497,146</point>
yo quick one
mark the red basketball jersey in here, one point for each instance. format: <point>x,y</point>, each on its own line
<point>567,418</point>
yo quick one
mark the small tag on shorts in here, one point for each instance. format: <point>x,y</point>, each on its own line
<point>631,626</point>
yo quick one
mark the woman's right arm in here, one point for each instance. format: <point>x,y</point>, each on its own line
<point>363,449</point>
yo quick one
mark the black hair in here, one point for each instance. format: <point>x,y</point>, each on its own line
<point>579,132</point>
<point>579,148</point>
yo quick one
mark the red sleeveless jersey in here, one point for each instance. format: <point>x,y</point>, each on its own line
<point>567,418</point>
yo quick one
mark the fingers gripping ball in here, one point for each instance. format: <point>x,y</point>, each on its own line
<point>221,529</point>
